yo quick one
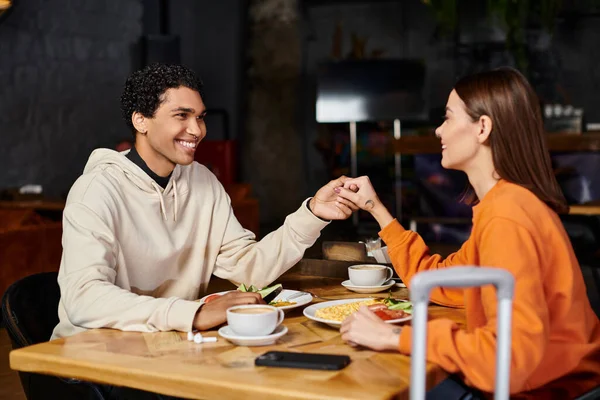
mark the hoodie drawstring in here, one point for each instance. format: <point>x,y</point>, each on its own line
<point>175,198</point>
<point>163,209</point>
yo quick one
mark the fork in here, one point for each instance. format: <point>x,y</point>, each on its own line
<point>302,293</point>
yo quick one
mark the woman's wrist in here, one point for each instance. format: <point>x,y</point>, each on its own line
<point>394,339</point>
<point>381,214</point>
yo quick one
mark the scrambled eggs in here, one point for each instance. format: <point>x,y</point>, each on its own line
<point>341,311</point>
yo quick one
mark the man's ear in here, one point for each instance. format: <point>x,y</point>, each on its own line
<point>485,129</point>
<point>139,122</point>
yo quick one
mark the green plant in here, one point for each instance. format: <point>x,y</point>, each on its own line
<point>514,15</point>
<point>445,12</point>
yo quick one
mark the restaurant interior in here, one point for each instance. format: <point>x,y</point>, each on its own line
<point>298,93</point>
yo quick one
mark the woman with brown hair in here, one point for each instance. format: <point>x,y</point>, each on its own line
<point>493,132</point>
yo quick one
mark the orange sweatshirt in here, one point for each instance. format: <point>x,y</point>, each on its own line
<point>555,332</point>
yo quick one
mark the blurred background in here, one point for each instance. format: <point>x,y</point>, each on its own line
<point>298,92</point>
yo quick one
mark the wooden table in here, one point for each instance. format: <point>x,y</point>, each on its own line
<point>557,142</point>
<point>44,205</point>
<point>167,363</point>
<point>585,209</point>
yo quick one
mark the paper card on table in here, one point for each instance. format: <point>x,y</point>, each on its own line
<point>299,335</point>
<point>237,358</point>
<point>162,341</point>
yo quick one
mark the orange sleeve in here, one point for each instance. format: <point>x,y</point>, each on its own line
<point>504,244</point>
<point>410,255</point>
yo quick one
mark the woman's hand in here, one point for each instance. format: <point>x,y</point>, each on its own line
<point>366,329</point>
<point>359,192</point>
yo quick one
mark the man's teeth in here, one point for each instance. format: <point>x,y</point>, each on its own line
<point>190,145</point>
<point>443,147</point>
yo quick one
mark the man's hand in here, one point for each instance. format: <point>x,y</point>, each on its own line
<point>326,203</point>
<point>213,313</point>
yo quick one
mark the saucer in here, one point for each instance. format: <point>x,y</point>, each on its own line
<point>227,333</point>
<point>368,289</point>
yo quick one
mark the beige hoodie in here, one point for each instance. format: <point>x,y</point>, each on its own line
<point>135,256</point>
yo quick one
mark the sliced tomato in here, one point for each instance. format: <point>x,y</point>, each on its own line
<point>375,307</point>
<point>211,298</point>
<point>382,314</point>
<point>385,313</point>
<point>396,314</point>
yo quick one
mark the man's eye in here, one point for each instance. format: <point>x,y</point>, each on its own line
<point>181,115</point>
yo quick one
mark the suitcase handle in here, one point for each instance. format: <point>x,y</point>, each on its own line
<point>466,276</point>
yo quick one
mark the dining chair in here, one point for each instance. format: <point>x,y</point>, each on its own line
<point>30,313</point>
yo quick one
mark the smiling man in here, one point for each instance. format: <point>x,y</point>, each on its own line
<point>144,230</point>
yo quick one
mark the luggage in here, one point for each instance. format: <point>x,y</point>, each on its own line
<point>466,276</point>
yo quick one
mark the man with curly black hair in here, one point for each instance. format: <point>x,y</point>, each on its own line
<point>144,230</point>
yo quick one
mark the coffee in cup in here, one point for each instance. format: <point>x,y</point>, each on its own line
<point>257,310</point>
<point>369,274</point>
<point>254,319</point>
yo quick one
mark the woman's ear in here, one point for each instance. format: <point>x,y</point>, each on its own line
<point>485,129</point>
<point>139,122</point>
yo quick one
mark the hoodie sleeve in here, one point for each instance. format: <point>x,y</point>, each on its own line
<point>244,260</point>
<point>87,282</point>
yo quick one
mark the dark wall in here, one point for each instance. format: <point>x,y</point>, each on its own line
<point>212,44</point>
<point>272,150</point>
<point>564,63</point>
<point>62,67</point>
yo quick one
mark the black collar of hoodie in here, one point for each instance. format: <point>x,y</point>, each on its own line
<point>135,158</point>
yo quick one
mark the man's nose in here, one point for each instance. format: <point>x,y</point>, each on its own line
<point>195,129</point>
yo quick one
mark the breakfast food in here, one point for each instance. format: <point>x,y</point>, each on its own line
<point>341,311</point>
<point>280,303</point>
<point>268,294</point>
<point>386,309</point>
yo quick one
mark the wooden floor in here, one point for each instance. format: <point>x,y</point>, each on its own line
<point>10,386</point>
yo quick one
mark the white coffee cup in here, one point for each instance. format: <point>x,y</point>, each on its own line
<point>254,319</point>
<point>369,274</point>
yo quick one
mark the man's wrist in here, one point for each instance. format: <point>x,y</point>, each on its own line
<point>197,323</point>
<point>310,204</point>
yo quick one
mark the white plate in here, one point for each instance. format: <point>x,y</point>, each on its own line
<point>368,289</point>
<point>399,283</point>
<point>285,293</point>
<point>309,312</point>
<point>238,340</point>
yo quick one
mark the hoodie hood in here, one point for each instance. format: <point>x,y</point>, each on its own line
<point>106,159</point>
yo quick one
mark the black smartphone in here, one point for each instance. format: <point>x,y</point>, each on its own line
<point>286,359</point>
